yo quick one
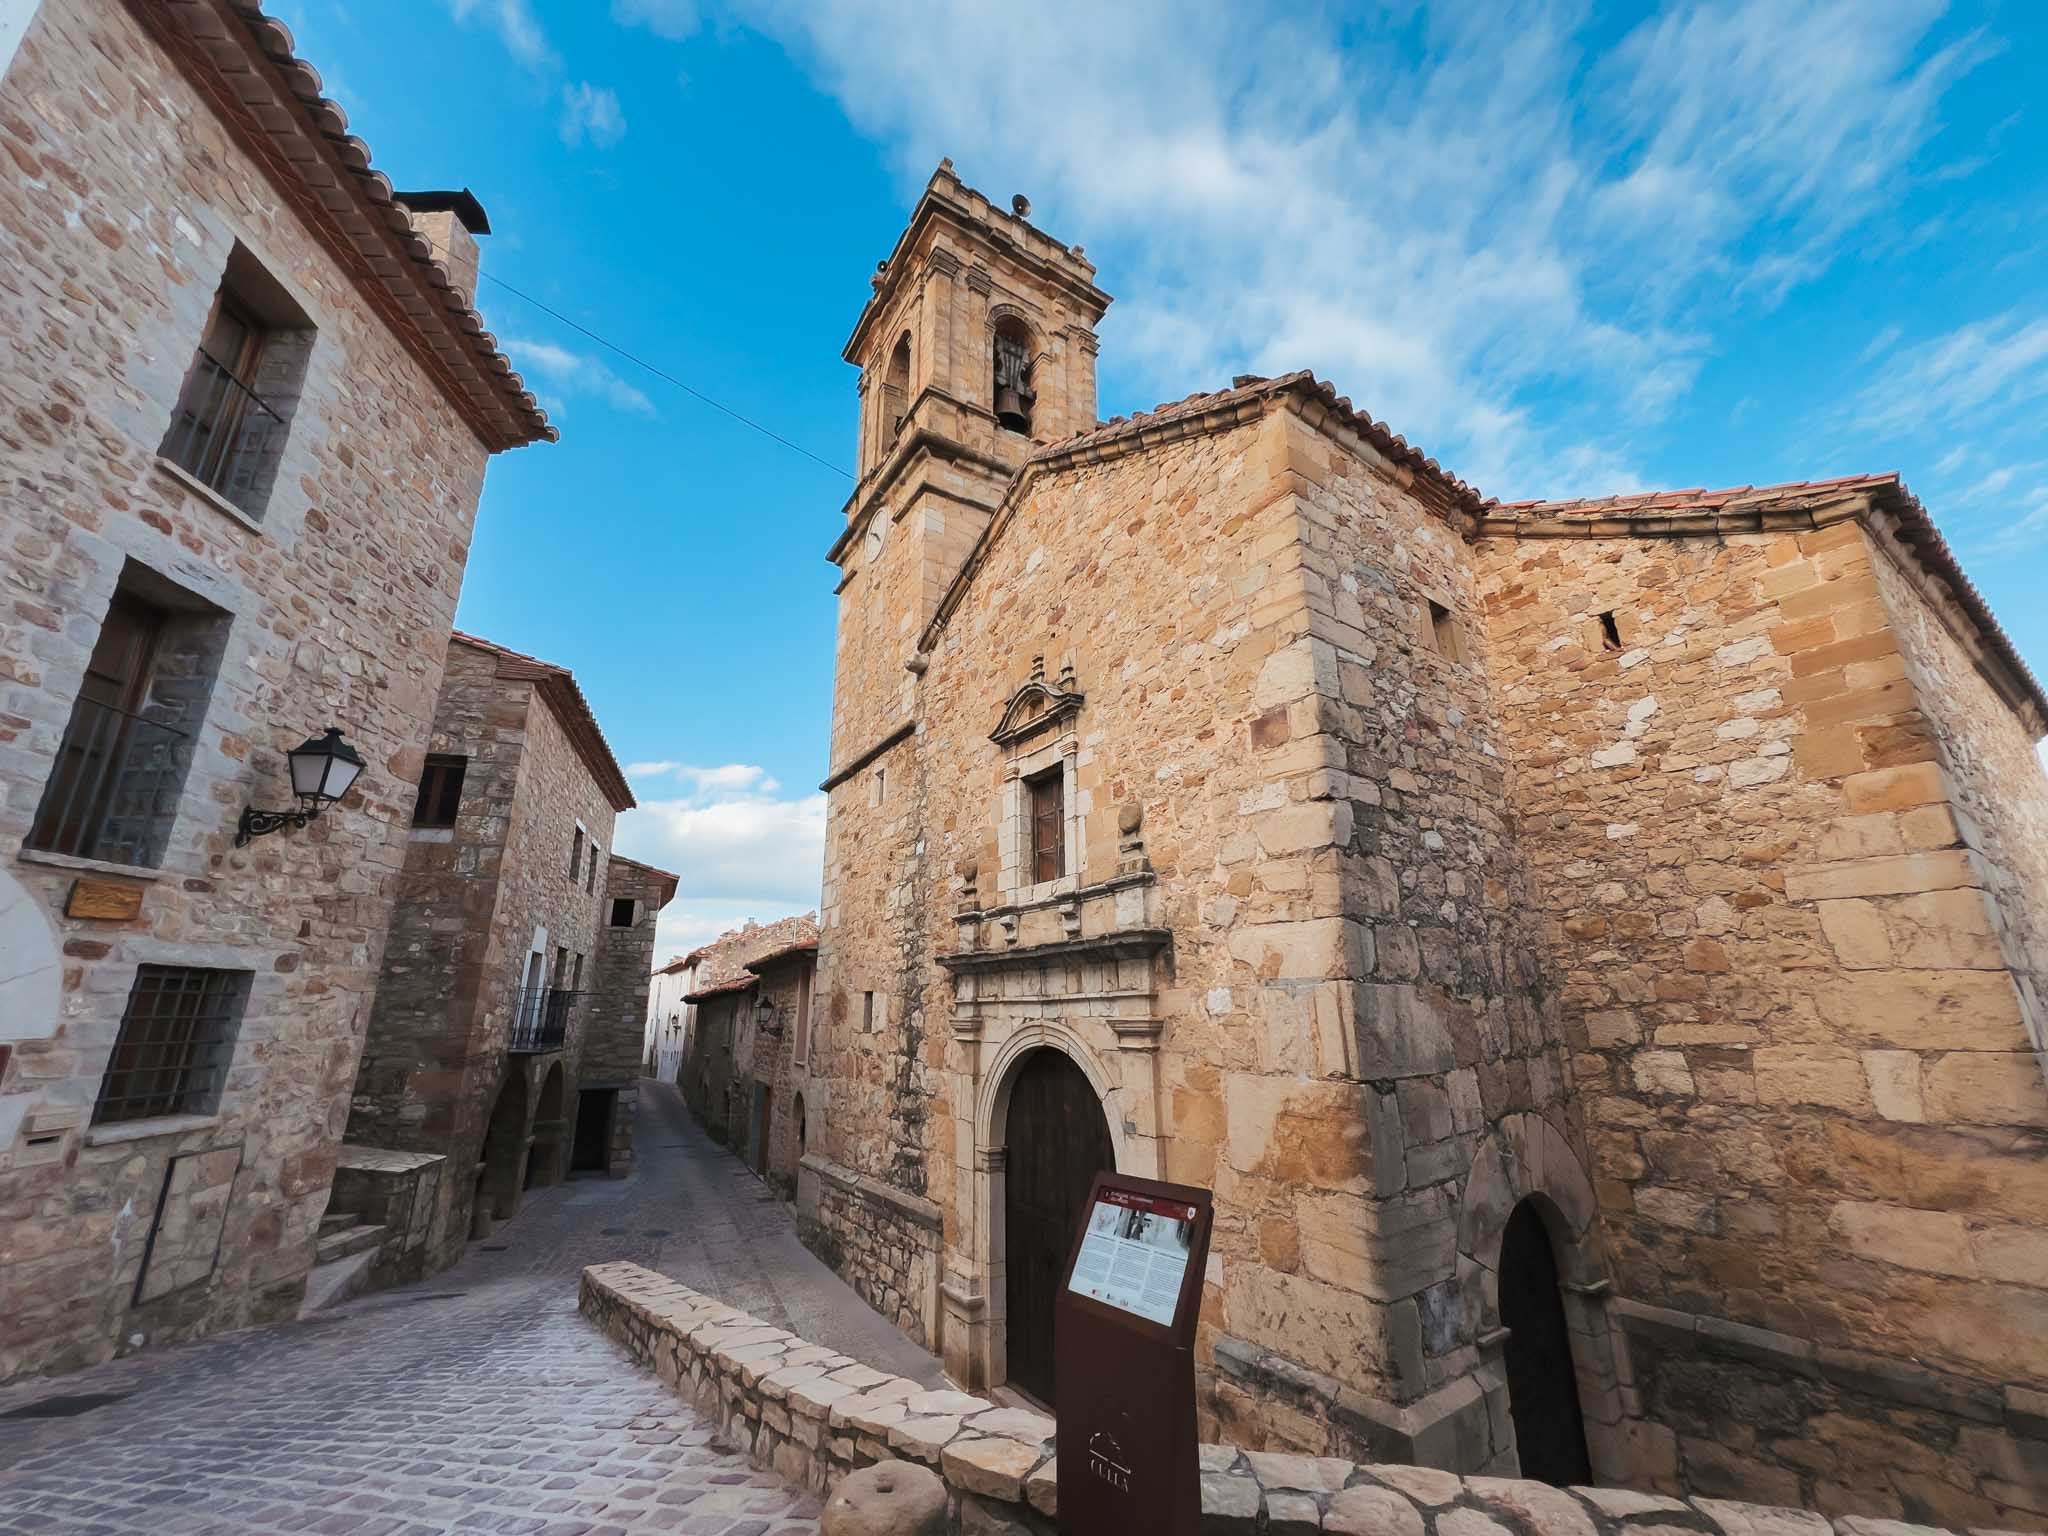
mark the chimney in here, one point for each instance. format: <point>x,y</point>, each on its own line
<point>452,221</point>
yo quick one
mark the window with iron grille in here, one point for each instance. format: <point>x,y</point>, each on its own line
<point>176,1039</point>
<point>440,791</point>
<point>120,768</point>
<point>234,411</point>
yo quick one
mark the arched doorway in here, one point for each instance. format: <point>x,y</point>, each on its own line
<point>1543,1388</point>
<point>544,1163</point>
<point>1057,1141</point>
<point>505,1146</point>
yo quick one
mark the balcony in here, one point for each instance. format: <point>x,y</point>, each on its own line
<point>541,1017</point>
<point>113,793</point>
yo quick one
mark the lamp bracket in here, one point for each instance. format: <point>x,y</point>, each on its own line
<point>257,823</point>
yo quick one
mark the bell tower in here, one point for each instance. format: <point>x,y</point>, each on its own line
<point>976,347</point>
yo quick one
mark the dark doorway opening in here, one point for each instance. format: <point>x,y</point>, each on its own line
<point>592,1152</point>
<point>1058,1141</point>
<point>1543,1389</point>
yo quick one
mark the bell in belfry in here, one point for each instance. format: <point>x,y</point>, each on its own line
<point>1014,396</point>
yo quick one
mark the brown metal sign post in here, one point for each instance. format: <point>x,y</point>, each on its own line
<point>1124,1360</point>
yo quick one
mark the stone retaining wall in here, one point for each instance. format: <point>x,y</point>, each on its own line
<point>814,1415</point>
<point>883,1242</point>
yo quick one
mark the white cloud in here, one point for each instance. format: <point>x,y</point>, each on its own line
<point>516,26</point>
<point>575,373</point>
<point>739,851</point>
<point>1982,381</point>
<point>1446,238</point>
<point>675,19</point>
<point>591,112</point>
<point>650,770</point>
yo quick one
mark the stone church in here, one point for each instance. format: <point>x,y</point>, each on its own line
<point>1594,950</point>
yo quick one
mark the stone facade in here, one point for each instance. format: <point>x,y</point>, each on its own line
<point>1399,865</point>
<point>745,1011</point>
<point>493,1014</point>
<point>635,893</point>
<point>814,1416</point>
<point>310,586</point>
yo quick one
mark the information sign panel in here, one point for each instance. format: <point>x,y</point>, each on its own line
<point>1124,1360</point>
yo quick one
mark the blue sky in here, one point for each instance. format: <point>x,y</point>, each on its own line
<point>1569,249</point>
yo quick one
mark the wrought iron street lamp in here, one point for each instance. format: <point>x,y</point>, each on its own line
<point>323,767</point>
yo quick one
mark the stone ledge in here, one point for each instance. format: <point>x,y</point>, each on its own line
<point>1901,1383</point>
<point>911,1207</point>
<point>813,1415</point>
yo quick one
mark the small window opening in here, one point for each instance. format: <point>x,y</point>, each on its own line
<point>867,1012</point>
<point>881,785</point>
<point>1013,393</point>
<point>622,912</point>
<point>1047,810</point>
<point>1610,635</point>
<point>590,876</point>
<point>228,428</point>
<point>576,857</point>
<point>1443,632</point>
<point>440,791</point>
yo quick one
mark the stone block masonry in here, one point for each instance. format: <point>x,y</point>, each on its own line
<point>814,1415</point>
<point>885,1243</point>
<point>146,168</point>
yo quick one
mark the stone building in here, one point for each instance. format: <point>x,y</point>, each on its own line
<point>245,412</point>
<point>662,1042</point>
<point>745,1040</point>
<point>1593,951</point>
<point>518,946</point>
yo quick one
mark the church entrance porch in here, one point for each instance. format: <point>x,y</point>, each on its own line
<point>1058,1142</point>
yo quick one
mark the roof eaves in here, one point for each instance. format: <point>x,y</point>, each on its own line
<point>275,106</point>
<point>557,684</point>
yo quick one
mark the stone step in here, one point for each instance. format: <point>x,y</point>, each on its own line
<point>340,1245</point>
<point>331,1284</point>
<point>337,1221</point>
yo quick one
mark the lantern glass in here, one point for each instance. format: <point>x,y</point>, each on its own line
<point>324,767</point>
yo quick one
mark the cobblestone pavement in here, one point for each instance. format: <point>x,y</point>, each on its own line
<point>476,1401</point>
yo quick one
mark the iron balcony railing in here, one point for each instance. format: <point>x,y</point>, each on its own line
<point>114,791</point>
<point>210,419</point>
<point>541,1017</point>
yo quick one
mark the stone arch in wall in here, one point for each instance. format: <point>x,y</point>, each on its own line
<point>1527,1171</point>
<point>505,1144</point>
<point>1035,1170</point>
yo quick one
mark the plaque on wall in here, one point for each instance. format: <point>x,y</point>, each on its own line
<point>112,900</point>
<point>1124,1347</point>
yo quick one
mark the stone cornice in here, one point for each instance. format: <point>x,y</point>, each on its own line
<point>1117,944</point>
<point>895,734</point>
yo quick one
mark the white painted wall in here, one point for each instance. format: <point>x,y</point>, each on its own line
<point>15,15</point>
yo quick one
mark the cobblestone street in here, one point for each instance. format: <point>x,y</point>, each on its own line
<point>478,1400</point>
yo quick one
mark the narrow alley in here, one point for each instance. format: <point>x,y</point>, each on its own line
<point>478,1400</point>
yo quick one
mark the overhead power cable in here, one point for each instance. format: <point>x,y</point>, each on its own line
<point>660,373</point>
